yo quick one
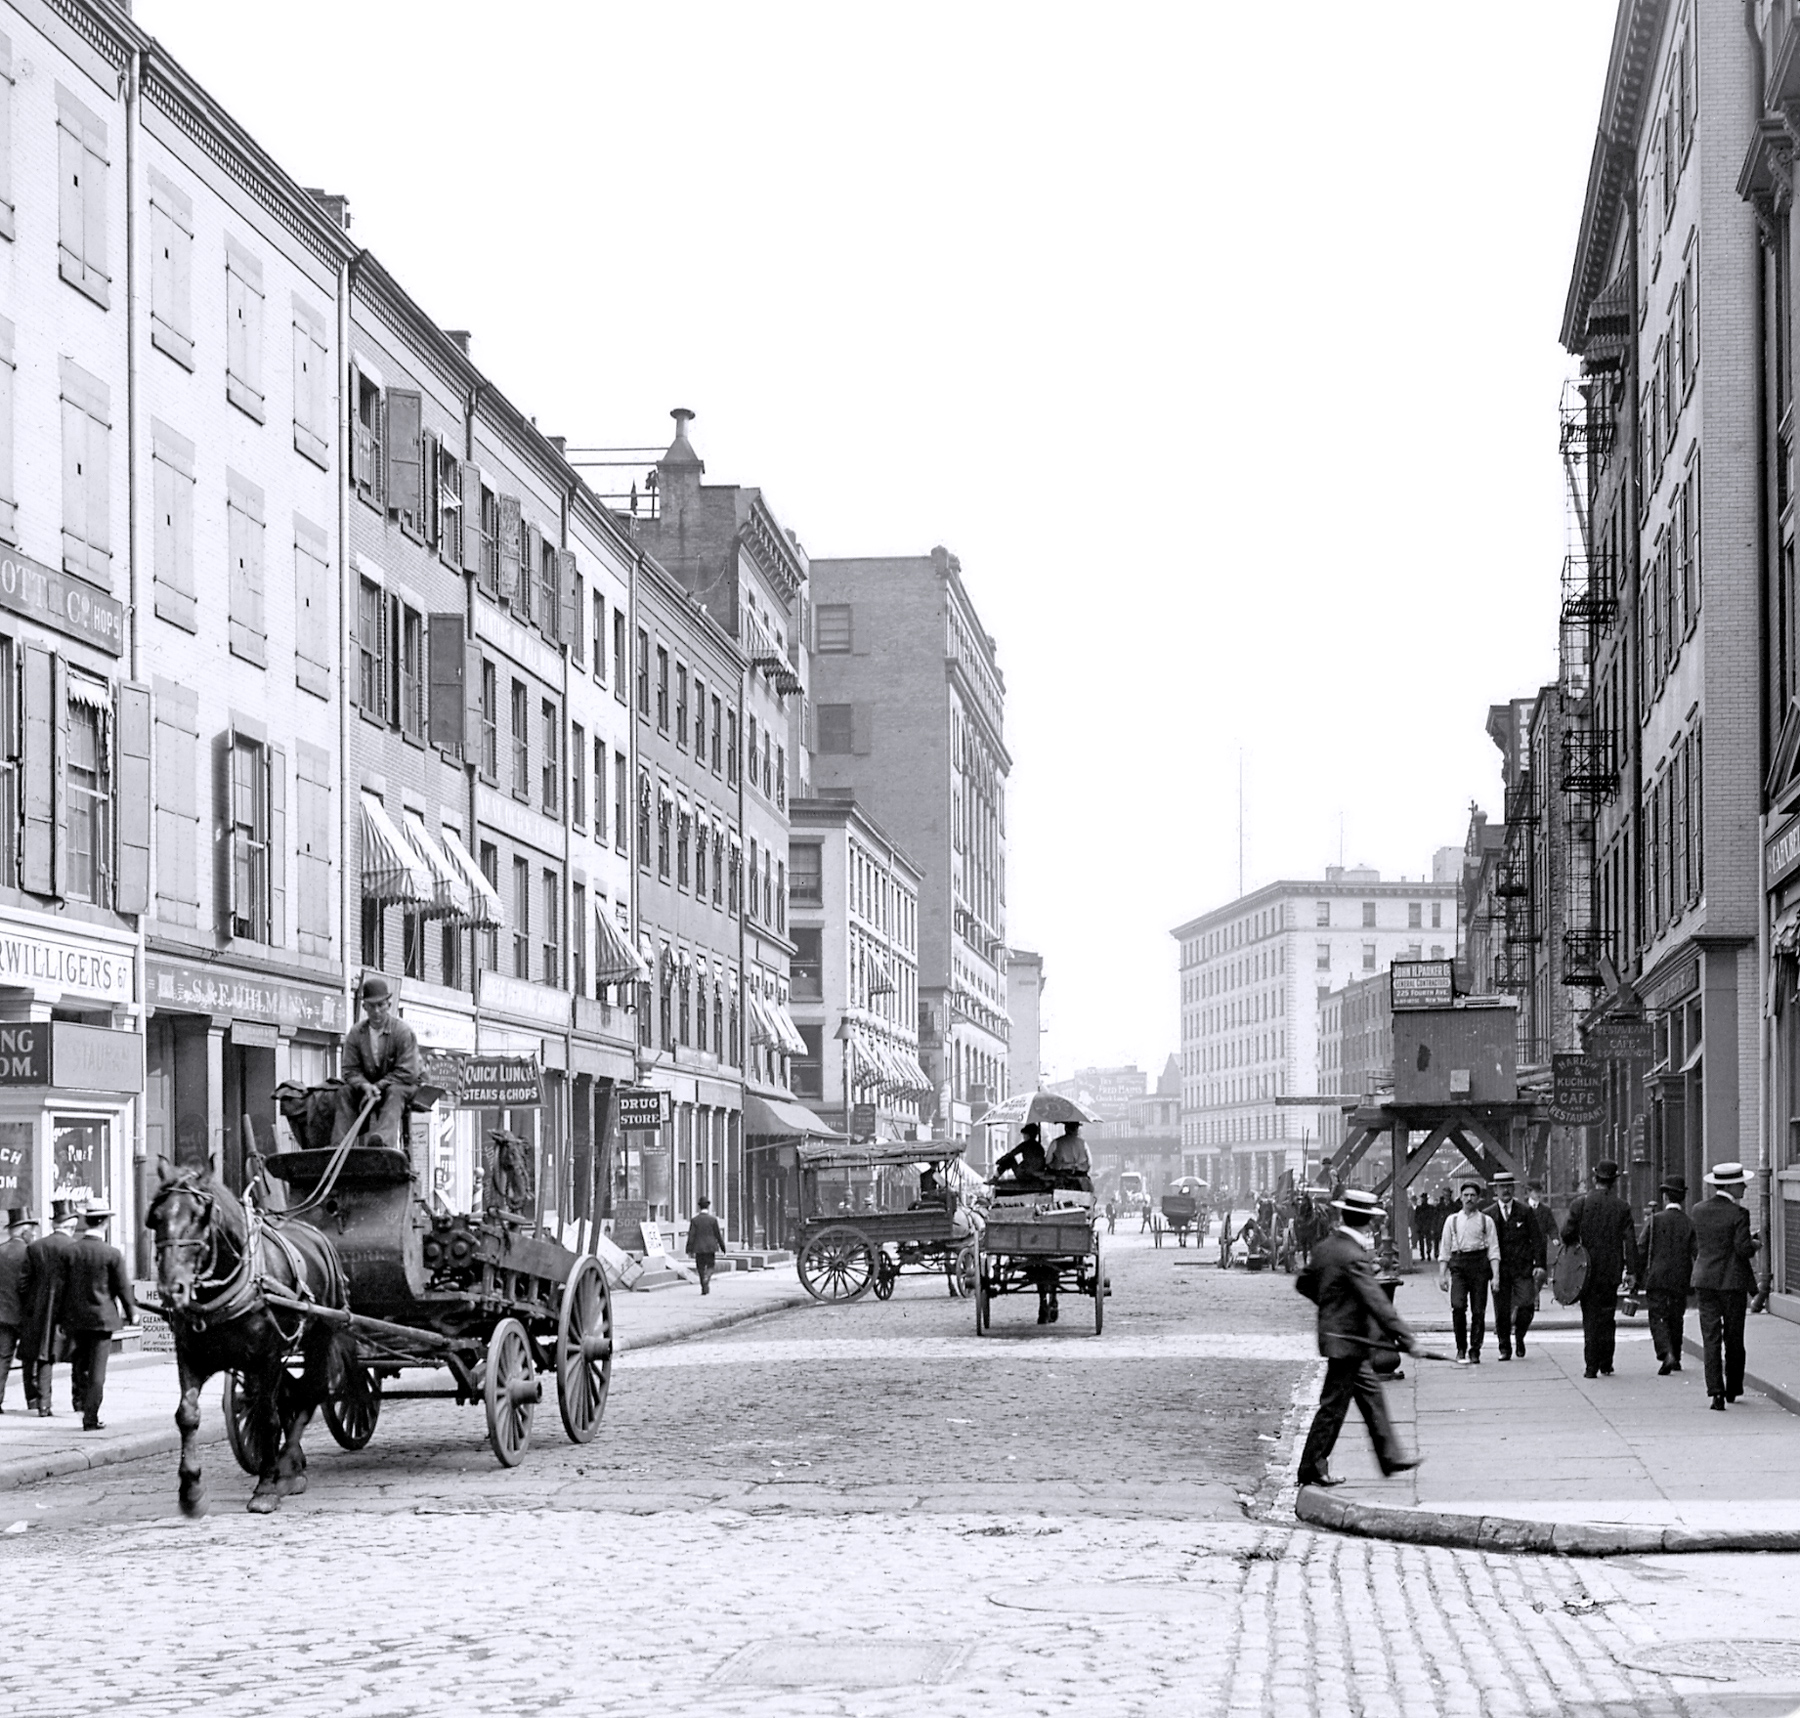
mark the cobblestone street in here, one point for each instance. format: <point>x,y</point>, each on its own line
<point>856,1512</point>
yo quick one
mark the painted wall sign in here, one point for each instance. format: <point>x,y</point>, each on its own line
<point>520,996</point>
<point>61,600</point>
<point>18,1166</point>
<point>1622,1041</point>
<point>1781,853</point>
<point>25,1054</point>
<point>183,988</point>
<point>68,964</point>
<point>1577,1090</point>
<point>1684,980</point>
<point>1423,983</point>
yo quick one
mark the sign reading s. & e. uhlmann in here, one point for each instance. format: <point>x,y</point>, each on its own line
<point>60,600</point>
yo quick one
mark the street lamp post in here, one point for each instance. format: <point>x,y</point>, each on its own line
<point>846,1036</point>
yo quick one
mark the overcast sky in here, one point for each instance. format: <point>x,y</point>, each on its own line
<point>1218,340</point>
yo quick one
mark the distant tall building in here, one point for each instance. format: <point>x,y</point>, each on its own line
<point>1254,974</point>
<point>908,713</point>
<point>1108,1092</point>
<point>1024,1011</point>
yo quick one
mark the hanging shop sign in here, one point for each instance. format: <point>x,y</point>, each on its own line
<point>58,599</point>
<point>1423,983</point>
<point>25,1054</point>
<point>1622,1041</point>
<point>18,1166</point>
<point>1577,1090</point>
<point>1781,853</point>
<point>498,1083</point>
<point>95,1059</point>
<point>644,1108</point>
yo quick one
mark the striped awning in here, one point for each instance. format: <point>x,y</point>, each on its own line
<point>615,960</point>
<point>762,1027</point>
<point>392,873</point>
<point>452,898</point>
<point>789,1033</point>
<point>875,970</point>
<point>485,911</point>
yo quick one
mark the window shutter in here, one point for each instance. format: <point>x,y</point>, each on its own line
<point>224,819</point>
<point>277,765</point>
<point>859,634</point>
<point>404,409</point>
<point>531,555</point>
<point>362,456</point>
<point>860,726</point>
<point>471,522</point>
<point>39,772</point>
<point>509,550</point>
<point>568,621</point>
<point>428,472</point>
<point>134,799</point>
<point>448,666</point>
<point>391,643</point>
<point>59,762</point>
<point>471,712</point>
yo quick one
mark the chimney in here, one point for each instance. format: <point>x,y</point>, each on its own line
<point>335,204</point>
<point>461,337</point>
<point>680,471</point>
<point>560,443</point>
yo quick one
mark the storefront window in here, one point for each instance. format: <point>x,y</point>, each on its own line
<point>82,1158</point>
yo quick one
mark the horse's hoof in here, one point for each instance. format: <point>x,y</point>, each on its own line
<point>263,1503</point>
<point>291,1486</point>
<point>194,1507</point>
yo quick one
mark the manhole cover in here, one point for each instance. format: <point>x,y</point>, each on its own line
<point>859,1663</point>
<point>1723,1660</point>
<point>1116,1600</point>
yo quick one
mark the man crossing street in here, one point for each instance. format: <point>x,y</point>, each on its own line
<point>1470,1261</point>
<point>1669,1249</point>
<point>1521,1271</point>
<point>1723,1280</point>
<point>1600,1222</point>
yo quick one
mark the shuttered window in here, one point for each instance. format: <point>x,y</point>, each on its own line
<point>312,385</point>
<point>577,774</point>
<point>406,459</point>
<point>371,649</point>
<point>11,718</point>
<point>367,458</point>
<point>312,809</point>
<point>446,503</point>
<point>177,803</point>
<point>87,792</point>
<point>6,92</point>
<point>172,536</point>
<point>412,673</point>
<point>81,202</point>
<point>244,543</point>
<point>448,661</point>
<point>250,867</point>
<point>508,554</point>
<point>87,475</point>
<point>315,628</point>
<point>131,876</point>
<point>243,329</point>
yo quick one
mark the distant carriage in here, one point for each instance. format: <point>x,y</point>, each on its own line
<point>1184,1210</point>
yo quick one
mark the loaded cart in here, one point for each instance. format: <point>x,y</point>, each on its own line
<point>480,1296</point>
<point>1042,1244</point>
<point>1184,1209</point>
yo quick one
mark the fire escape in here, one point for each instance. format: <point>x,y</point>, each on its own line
<point>1513,893</point>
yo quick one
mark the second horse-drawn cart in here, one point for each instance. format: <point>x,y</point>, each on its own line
<point>1040,1243</point>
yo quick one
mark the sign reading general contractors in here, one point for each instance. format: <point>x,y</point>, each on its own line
<point>643,1107</point>
<point>1423,983</point>
<point>68,964</point>
<point>60,600</point>
<point>500,1083</point>
<point>1577,1090</point>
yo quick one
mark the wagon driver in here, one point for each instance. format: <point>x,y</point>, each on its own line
<point>380,1061</point>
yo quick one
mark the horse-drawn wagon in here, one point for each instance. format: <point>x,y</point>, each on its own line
<point>1184,1210</point>
<point>1040,1243</point>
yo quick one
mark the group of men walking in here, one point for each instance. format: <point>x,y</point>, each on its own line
<point>62,1296</point>
<point>1504,1247</point>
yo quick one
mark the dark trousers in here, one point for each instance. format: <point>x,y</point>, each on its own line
<point>1515,1306</point>
<point>10,1345</point>
<point>1468,1302</point>
<point>1668,1312</point>
<point>1599,1331</point>
<point>703,1268</point>
<point>88,1350</point>
<point>1722,1326</point>
<point>383,1125</point>
<point>1347,1380</point>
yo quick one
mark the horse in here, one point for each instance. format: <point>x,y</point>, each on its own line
<point>213,1258</point>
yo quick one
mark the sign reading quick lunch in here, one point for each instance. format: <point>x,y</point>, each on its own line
<point>63,601</point>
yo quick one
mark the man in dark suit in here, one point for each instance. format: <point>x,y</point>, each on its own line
<point>1600,1221</point>
<point>705,1241</point>
<point>45,1259</point>
<point>15,1302</point>
<point>1355,1318</point>
<point>380,1060</point>
<point>96,1291</point>
<point>1539,1207</point>
<point>1669,1247</point>
<point>1521,1266</point>
<point>1724,1280</point>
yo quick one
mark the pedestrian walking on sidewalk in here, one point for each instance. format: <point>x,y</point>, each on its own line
<point>1669,1249</point>
<point>1724,1280</point>
<point>1539,1207</point>
<point>1355,1318</point>
<point>96,1300</point>
<point>1471,1260</point>
<point>1521,1270</point>
<point>45,1260</point>
<point>1600,1222</point>
<point>705,1241</point>
<point>15,1303</point>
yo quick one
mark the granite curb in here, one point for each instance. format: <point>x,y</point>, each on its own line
<point>131,1446</point>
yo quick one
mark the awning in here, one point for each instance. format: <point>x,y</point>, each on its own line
<point>1784,935</point>
<point>786,1030</point>
<point>762,1028</point>
<point>881,981</point>
<point>392,873</point>
<point>451,896</point>
<point>647,953</point>
<point>96,694</point>
<point>484,899</point>
<point>781,1118</point>
<point>615,960</point>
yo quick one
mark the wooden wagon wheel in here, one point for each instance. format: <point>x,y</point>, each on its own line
<point>1099,1289</point>
<point>353,1404</point>
<point>838,1264</point>
<point>250,1427</point>
<point>584,1350</point>
<point>510,1391</point>
<point>887,1274</point>
<point>981,1297</point>
<point>963,1267</point>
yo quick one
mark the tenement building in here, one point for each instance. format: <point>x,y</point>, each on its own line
<point>1254,977</point>
<point>908,716</point>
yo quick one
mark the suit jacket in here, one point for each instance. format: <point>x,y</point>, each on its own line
<point>1355,1314</point>
<point>1601,1222</point>
<point>15,1283</point>
<point>95,1287</point>
<point>1522,1248</point>
<point>1546,1220</point>
<point>45,1259</point>
<point>398,1062</point>
<point>1725,1245</point>
<point>1669,1248</point>
<point>704,1234</point>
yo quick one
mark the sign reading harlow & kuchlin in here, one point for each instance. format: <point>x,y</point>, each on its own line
<point>1577,1090</point>
<point>1422,983</point>
<point>643,1107</point>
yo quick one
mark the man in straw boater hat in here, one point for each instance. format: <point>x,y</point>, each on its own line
<point>1600,1222</point>
<point>1355,1319</point>
<point>1724,1280</point>
<point>1669,1248</point>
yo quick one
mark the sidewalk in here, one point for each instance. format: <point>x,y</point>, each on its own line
<point>142,1390</point>
<point>1532,1456</point>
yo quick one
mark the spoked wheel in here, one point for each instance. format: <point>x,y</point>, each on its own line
<point>1099,1292</point>
<point>353,1405</point>
<point>965,1271</point>
<point>250,1426</point>
<point>982,1306</point>
<point>838,1264</point>
<point>510,1391</point>
<point>1156,1234</point>
<point>584,1350</point>
<point>887,1273</point>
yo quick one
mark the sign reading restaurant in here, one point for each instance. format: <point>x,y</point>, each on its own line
<point>65,964</point>
<point>60,600</point>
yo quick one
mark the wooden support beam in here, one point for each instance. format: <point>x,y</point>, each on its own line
<point>1417,1158</point>
<point>1353,1150</point>
<point>1499,1156</point>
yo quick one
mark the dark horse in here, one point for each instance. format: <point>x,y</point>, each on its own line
<point>213,1259</point>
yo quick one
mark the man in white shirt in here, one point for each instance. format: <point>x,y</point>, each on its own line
<point>1469,1261</point>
